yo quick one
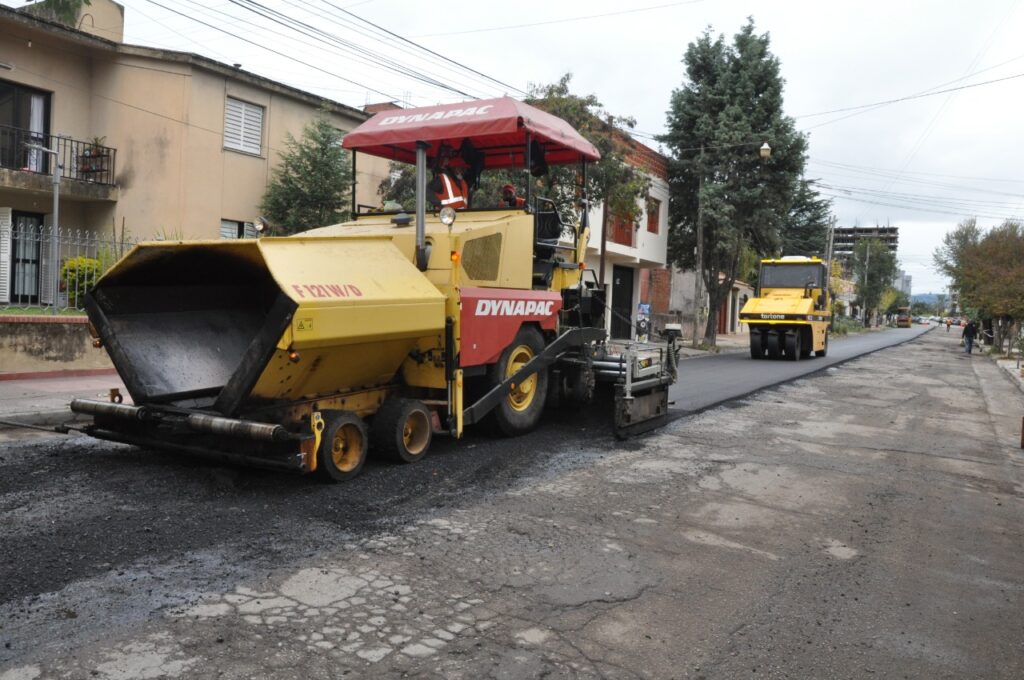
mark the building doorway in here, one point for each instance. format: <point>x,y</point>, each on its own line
<point>26,257</point>
<point>622,302</point>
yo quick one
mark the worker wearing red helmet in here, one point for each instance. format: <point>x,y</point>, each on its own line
<point>509,198</point>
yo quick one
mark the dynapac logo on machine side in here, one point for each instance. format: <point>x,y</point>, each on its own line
<point>514,307</point>
<point>437,115</point>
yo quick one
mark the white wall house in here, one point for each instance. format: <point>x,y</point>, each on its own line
<point>632,247</point>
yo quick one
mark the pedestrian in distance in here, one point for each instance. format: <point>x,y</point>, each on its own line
<point>949,323</point>
<point>970,332</point>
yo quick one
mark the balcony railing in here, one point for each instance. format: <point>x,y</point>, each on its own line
<point>83,161</point>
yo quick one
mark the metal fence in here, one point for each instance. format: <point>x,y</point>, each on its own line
<point>27,277</point>
<point>83,161</point>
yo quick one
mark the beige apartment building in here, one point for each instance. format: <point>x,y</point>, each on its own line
<point>163,144</point>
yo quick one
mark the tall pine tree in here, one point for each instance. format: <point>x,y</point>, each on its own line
<point>730,103</point>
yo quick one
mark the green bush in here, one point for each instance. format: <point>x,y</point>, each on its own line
<point>845,325</point>
<point>77,276</point>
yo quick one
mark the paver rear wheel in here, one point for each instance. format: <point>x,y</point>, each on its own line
<point>520,410</point>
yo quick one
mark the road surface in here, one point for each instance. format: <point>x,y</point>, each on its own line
<point>706,381</point>
<point>861,522</point>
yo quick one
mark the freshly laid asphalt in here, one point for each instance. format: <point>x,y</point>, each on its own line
<point>707,381</point>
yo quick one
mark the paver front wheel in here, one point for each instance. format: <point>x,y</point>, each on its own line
<point>342,449</point>
<point>402,430</point>
<point>774,351</point>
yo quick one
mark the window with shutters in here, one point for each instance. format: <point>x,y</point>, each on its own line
<point>653,215</point>
<point>237,229</point>
<point>243,126</point>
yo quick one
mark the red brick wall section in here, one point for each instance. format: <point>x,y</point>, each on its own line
<point>655,288</point>
<point>661,286</point>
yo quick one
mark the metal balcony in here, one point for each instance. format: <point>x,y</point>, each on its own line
<point>83,161</point>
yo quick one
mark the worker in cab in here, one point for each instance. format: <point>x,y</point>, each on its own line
<point>453,182</point>
<point>449,186</point>
<point>509,198</point>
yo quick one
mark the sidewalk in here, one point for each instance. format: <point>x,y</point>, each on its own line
<point>44,401</point>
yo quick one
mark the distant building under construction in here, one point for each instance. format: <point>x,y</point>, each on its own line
<point>846,239</point>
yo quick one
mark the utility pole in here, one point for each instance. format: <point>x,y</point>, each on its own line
<point>698,283</point>
<point>867,264</point>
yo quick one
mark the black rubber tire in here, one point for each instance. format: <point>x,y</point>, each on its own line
<point>806,342</point>
<point>401,430</point>
<point>772,345</point>
<point>793,345</point>
<point>343,446</point>
<point>824,350</point>
<point>518,412</point>
<point>756,346</point>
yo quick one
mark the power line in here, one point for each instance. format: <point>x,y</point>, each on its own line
<point>560,21</point>
<point>425,49</point>
<point>280,54</point>
<point>909,97</point>
<point>306,29</point>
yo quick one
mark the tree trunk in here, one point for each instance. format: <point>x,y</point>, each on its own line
<point>716,293</point>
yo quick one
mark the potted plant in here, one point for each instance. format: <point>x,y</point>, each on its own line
<point>93,156</point>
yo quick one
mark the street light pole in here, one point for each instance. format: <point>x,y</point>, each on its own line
<point>698,284</point>
<point>54,228</point>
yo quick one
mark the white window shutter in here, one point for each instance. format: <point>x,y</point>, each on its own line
<point>243,126</point>
<point>6,224</point>
<point>46,246</point>
<point>249,230</point>
<point>228,229</point>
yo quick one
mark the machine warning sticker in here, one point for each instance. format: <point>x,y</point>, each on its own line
<point>303,324</point>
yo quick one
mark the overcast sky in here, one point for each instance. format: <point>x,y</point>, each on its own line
<point>922,165</point>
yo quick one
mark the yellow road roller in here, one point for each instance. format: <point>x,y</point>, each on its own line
<point>307,352</point>
<point>791,314</point>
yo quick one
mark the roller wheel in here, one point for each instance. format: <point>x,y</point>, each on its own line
<point>793,346</point>
<point>401,430</point>
<point>772,343</point>
<point>342,449</point>
<point>806,343</point>
<point>756,346</point>
<point>521,408</point>
<point>824,348</point>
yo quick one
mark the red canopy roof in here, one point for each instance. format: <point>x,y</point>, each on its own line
<point>496,127</point>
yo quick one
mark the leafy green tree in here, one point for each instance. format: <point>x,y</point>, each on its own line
<point>619,186</point>
<point>873,268</point>
<point>64,11</point>
<point>991,276</point>
<point>311,187</point>
<point>730,103</point>
<point>949,257</point>
<point>806,230</point>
